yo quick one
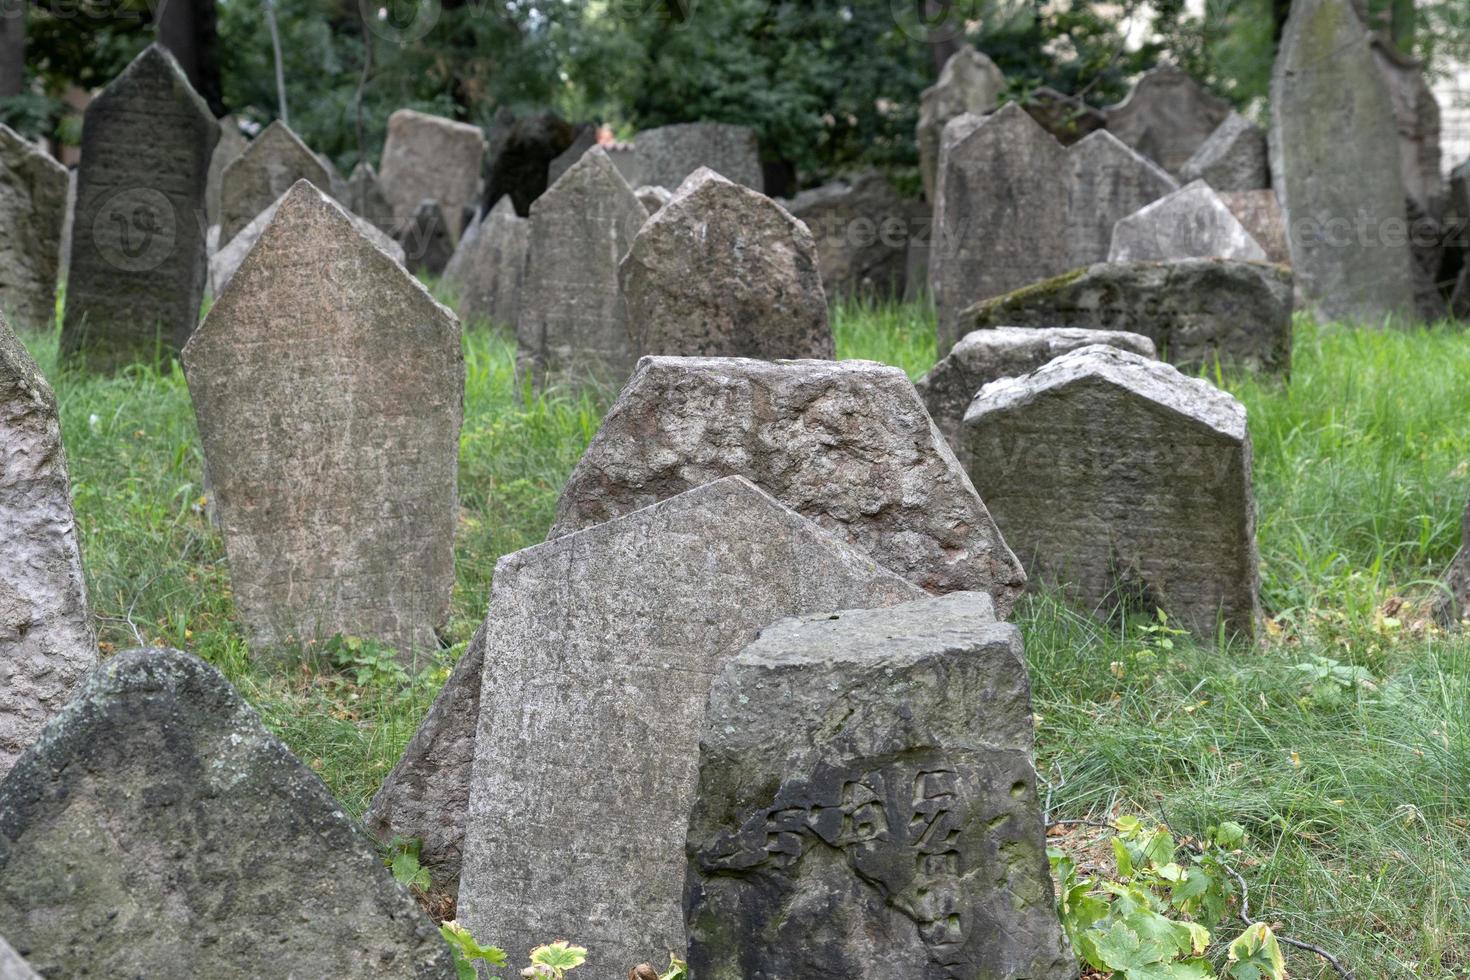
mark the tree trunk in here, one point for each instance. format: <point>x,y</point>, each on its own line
<point>12,46</point>
<point>188,28</point>
<point>946,30</point>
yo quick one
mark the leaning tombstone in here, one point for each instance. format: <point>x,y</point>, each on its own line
<point>427,240</point>
<point>905,840</point>
<point>669,154</point>
<point>1191,223</point>
<point>1167,117</point>
<point>1260,212</point>
<point>269,167</point>
<point>862,232</point>
<point>231,144</point>
<point>219,849</point>
<point>1234,158</point>
<point>968,82</point>
<point>430,157</point>
<point>600,649</point>
<point>138,259</point>
<point>33,190</point>
<point>1124,484</point>
<point>46,641</point>
<point>364,545</point>
<point>488,269</point>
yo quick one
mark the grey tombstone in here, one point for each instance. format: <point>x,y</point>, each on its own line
<point>1107,182</point>
<point>1191,223</point>
<point>365,198</point>
<point>573,324</point>
<point>429,157</point>
<point>904,841</point>
<point>12,966</point>
<point>138,260</point>
<point>724,271</point>
<point>1343,198</point>
<point>428,240</point>
<point>1167,117</point>
<point>600,649</point>
<point>1234,158</point>
<point>1066,117</point>
<point>1198,312</point>
<point>1453,603</point>
<point>586,140</point>
<point>668,154</point>
<point>157,829</point>
<point>1125,484</point>
<point>269,167</point>
<point>1417,119</point>
<point>46,641</point>
<point>489,266</point>
<point>983,356</point>
<point>33,191</point>
<point>862,228</point>
<point>968,82</point>
<point>653,197</point>
<point>231,144</point>
<point>1260,212</point>
<point>333,469</point>
<point>846,444</point>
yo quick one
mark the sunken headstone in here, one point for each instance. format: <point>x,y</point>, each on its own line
<point>333,469</point>
<point>572,324</point>
<point>1260,212</point>
<point>1125,484</point>
<point>269,167</point>
<point>12,966</point>
<point>46,641</point>
<point>138,260</point>
<point>1196,311</point>
<point>653,197</point>
<point>231,144</point>
<point>724,271</point>
<point>862,230</point>
<point>846,444</point>
<point>521,151</point>
<point>983,356</point>
<point>904,841</point>
<point>1167,117</point>
<point>489,266</point>
<point>1066,117</point>
<point>33,190</point>
<point>669,154</point>
<point>600,649</point>
<point>1190,223</point>
<point>158,829</point>
<point>1342,196</point>
<point>1234,158</point>
<point>365,198</point>
<point>427,239</point>
<point>969,82</point>
<point>430,157</point>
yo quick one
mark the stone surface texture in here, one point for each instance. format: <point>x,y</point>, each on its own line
<point>428,240</point>
<point>1234,158</point>
<point>862,228</point>
<point>489,266</point>
<point>520,155</point>
<point>669,154</point>
<point>1454,603</point>
<point>1167,117</point>
<point>267,168</point>
<point>1191,223</point>
<point>12,966</point>
<point>1260,212</point>
<point>33,190</point>
<point>969,82</point>
<point>653,197</point>
<point>431,157</point>
<point>231,144</point>
<point>365,198</point>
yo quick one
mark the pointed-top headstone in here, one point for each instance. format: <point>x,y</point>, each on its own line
<point>333,468</point>
<point>138,261</point>
<point>489,266</point>
<point>1167,116</point>
<point>33,190</point>
<point>1107,181</point>
<point>1190,223</point>
<point>268,167</point>
<point>431,157</point>
<point>969,82</point>
<point>1234,158</point>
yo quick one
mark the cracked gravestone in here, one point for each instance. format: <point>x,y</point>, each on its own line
<point>969,82</point>
<point>862,229</point>
<point>430,157</point>
<point>33,189</point>
<point>1234,158</point>
<point>1167,117</point>
<point>269,167</point>
<point>669,154</point>
<point>489,266</point>
<point>1191,223</point>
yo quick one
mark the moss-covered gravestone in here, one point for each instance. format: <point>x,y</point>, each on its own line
<point>32,213</point>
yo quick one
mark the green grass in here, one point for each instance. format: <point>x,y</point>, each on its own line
<point>1358,806</point>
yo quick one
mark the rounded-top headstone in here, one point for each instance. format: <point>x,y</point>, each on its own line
<point>430,157</point>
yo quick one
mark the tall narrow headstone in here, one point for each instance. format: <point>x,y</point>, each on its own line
<point>46,641</point>
<point>33,190</point>
<point>1167,117</point>
<point>668,154</point>
<point>431,157</point>
<point>1234,158</point>
<point>231,144</point>
<point>1191,223</point>
<point>489,267</point>
<point>272,163</point>
<point>600,649</point>
<point>969,82</point>
<point>138,260</point>
<point>333,468</point>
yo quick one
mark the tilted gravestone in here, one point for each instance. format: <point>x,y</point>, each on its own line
<point>846,444</point>
<point>969,82</point>
<point>573,324</point>
<point>12,966</point>
<point>427,239</point>
<point>1196,311</point>
<point>1343,197</point>
<point>983,356</point>
<point>33,190</point>
<point>231,144</point>
<point>1015,206</point>
<point>365,198</point>
<point>431,157</point>
<point>724,271</point>
<point>333,469</point>
<point>157,823</point>
<point>669,154</point>
<point>904,841</point>
<point>862,230</point>
<point>1123,483</point>
<point>1260,213</point>
<point>1191,223</point>
<point>600,649</point>
<point>46,641</point>
<point>489,266</point>
<point>269,167</point>
<point>1167,117</point>
<point>138,260</point>
<point>1234,158</point>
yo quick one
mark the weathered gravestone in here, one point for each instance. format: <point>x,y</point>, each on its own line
<point>158,829</point>
<point>904,841</point>
<point>1196,311</point>
<point>334,468</point>
<point>1454,603</point>
<point>969,82</point>
<point>1124,483</point>
<point>600,649</point>
<point>365,198</point>
<point>429,157</point>
<point>231,144</point>
<point>586,140</point>
<point>652,197</point>
<point>1167,117</point>
<point>1234,158</point>
<point>489,267</point>
<point>1190,223</point>
<point>46,641</point>
<point>669,154</point>
<point>427,239</point>
<point>137,253</point>
<point>33,190</point>
<point>845,444</point>
<point>862,230</point>
<point>1417,119</point>
<point>1343,197</point>
<point>12,966</point>
<point>1260,212</point>
<point>269,167</point>
<point>983,356</point>
<point>572,324</point>
<point>1015,206</point>
<point>724,271</point>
